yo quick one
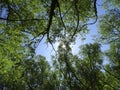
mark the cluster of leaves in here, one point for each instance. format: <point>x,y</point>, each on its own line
<point>23,24</point>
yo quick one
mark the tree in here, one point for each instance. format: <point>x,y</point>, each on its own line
<point>36,74</point>
<point>40,18</point>
<point>23,24</point>
<point>109,31</point>
<point>80,73</point>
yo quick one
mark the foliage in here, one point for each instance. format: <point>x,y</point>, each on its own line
<point>24,23</point>
<point>109,25</point>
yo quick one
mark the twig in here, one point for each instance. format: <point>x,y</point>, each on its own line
<point>40,41</point>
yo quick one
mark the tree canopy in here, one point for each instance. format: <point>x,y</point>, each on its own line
<point>24,24</point>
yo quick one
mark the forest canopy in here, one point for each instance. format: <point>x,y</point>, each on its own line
<point>25,23</point>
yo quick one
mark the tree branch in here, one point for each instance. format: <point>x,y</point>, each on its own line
<point>54,4</point>
<point>96,17</point>
<point>76,29</point>
<point>61,17</point>
<point>35,19</point>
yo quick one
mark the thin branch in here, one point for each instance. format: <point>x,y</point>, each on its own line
<point>10,8</point>
<point>108,84</point>
<point>67,10</point>
<point>111,73</point>
<point>40,40</point>
<point>76,29</point>
<point>96,17</point>
<point>52,45</point>
<point>51,14</point>
<point>61,18</point>
<point>44,3</point>
<point>35,19</point>
<point>43,34</point>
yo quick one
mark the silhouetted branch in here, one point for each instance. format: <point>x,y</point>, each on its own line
<point>96,17</point>
<point>77,11</point>
<point>61,17</point>
<point>54,4</point>
<point>40,40</point>
<point>35,19</point>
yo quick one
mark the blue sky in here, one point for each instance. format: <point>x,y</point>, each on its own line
<point>47,51</point>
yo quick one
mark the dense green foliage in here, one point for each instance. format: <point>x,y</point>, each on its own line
<point>24,23</point>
